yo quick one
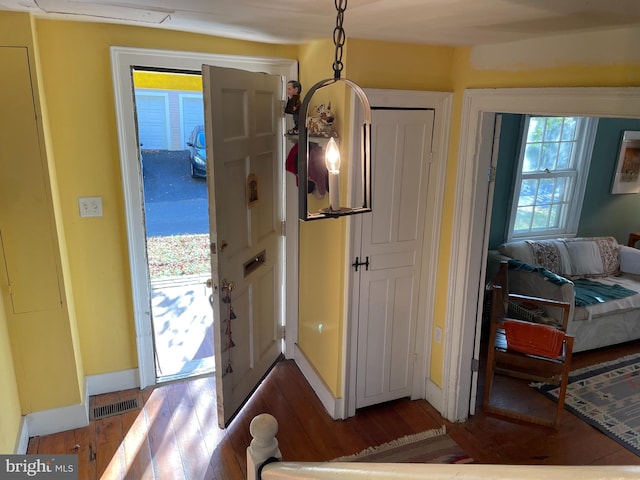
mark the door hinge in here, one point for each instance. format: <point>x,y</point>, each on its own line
<point>212,248</point>
<point>283,228</point>
<point>491,174</point>
<point>283,332</point>
<point>475,364</point>
<point>283,105</point>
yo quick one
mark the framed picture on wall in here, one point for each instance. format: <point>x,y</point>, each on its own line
<point>627,176</point>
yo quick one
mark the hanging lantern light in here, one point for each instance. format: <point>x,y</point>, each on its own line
<point>311,147</point>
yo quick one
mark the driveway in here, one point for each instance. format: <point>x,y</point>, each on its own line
<point>175,203</point>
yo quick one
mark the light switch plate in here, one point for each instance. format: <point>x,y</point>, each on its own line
<point>438,335</point>
<point>90,206</point>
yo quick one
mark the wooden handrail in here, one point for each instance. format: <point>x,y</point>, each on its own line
<point>264,448</point>
<point>425,471</point>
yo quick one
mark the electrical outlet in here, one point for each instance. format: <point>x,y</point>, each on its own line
<point>438,335</point>
<point>90,206</point>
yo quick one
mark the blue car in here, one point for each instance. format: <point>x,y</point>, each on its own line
<point>197,152</point>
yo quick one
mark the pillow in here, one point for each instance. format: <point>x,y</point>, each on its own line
<point>593,257</point>
<point>552,255</point>
<point>629,260</point>
<point>518,250</point>
<point>610,254</point>
<point>585,259</point>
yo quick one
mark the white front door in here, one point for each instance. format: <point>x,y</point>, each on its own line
<point>391,243</point>
<point>243,128</point>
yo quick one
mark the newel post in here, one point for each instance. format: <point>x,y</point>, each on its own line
<point>264,446</point>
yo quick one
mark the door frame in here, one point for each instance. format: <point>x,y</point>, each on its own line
<point>467,263</point>
<point>122,59</point>
<point>423,387</point>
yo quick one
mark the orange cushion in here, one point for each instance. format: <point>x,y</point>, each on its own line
<point>533,338</point>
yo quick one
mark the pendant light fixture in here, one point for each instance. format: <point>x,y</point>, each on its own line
<point>337,163</point>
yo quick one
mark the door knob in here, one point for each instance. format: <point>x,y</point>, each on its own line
<point>210,284</point>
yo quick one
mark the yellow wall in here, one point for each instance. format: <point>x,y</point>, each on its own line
<point>9,398</point>
<point>68,299</point>
<point>321,256</point>
<point>402,66</point>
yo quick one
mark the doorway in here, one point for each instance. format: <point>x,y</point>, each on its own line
<point>169,114</point>
<point>391,245</point>
<point>467,270</point>
<point>124,60</point>
<point>432,108</point>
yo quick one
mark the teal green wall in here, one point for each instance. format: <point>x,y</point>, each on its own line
<point>602,212</point>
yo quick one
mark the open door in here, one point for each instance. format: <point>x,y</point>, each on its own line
<point>487,149</point>
<point>243,124</point>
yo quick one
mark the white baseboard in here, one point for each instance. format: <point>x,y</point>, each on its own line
<point>434,396</point>
<point>76,416</point>
<point>113,381</point>
<point>58,419</point>
<point>23,437</point>
<point>334,406</point>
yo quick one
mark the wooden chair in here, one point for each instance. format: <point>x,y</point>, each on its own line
<point>523,356</point>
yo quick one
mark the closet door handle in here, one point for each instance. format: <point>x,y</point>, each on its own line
<point>358,263</point>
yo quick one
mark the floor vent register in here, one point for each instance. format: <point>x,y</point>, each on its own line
<point>115,408</point>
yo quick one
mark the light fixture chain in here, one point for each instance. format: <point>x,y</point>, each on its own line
<point>339,37</point>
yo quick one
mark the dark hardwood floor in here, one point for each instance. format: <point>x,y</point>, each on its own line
<point>175,434</point>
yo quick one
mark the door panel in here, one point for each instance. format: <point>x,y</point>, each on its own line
<point>266,220</point>
<point>391,239</point>
<point>267,331</point>
<point>243,131</point>
<point>233,222</point>
<point>27,233</point>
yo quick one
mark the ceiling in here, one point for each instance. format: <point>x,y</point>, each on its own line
<point>437,22</point>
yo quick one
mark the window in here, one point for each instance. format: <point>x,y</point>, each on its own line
<point>551,176</point>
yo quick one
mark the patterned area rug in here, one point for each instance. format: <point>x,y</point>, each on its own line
<point>432,446</point>
<point>607,396</point>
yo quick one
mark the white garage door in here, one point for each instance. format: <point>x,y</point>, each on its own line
<point>192,113</point>
<point>153,128</point>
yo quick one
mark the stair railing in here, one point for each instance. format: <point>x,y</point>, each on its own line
<point>264,462</point>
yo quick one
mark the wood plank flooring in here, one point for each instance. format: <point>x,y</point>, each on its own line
<point>175,434</point>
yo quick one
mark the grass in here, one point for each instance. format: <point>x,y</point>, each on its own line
<point>178,255</point>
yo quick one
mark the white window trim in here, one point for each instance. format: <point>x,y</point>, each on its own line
<point>588,129</point>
